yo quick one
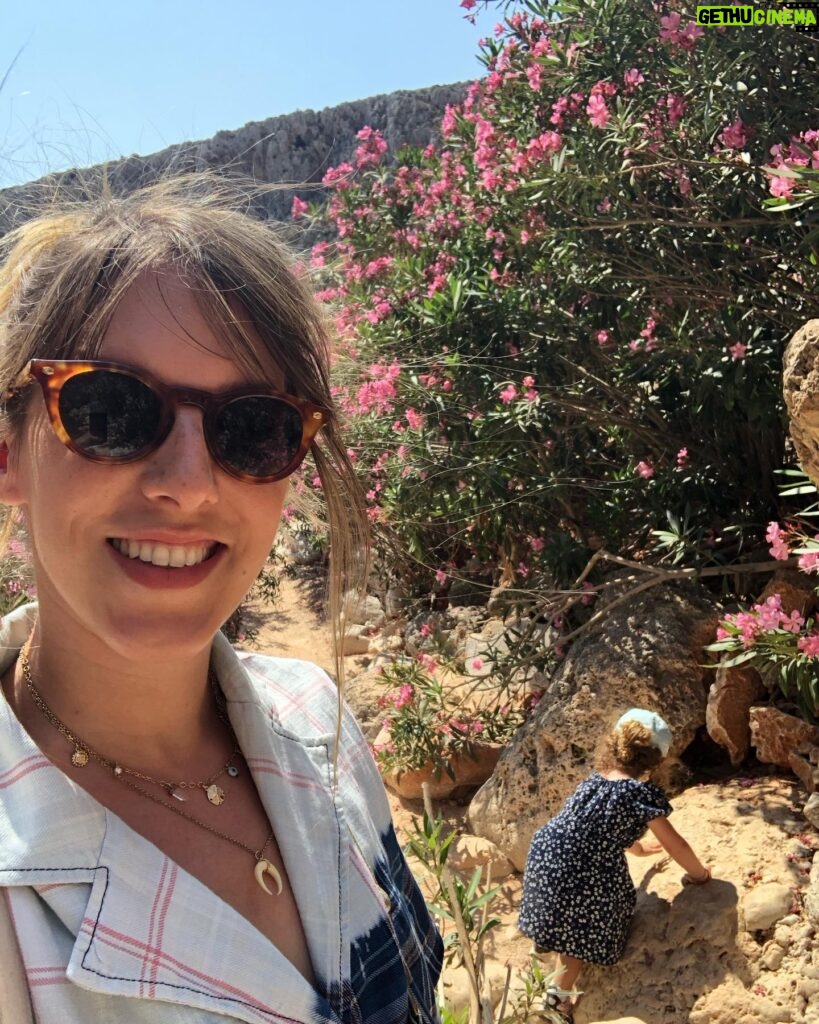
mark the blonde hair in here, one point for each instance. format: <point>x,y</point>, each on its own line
<point>630,748</point>
<point>64,272</point>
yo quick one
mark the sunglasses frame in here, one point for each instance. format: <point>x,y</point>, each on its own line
<point>52,374</point>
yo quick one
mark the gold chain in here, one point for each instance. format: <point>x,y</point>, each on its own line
<point>263,865</point>
<point>83,751</point>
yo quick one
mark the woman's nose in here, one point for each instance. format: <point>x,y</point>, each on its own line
<point>181,470</point>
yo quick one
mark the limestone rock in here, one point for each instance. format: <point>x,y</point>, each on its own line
<point>800,386</point>
<point>648,653</point>
<point>469,852</point>
<point>805,766</point>
<point>456,986</point>
<point>775,734</point>
<point>812,894</point>
<point>355,641</point>
<point>734,690</point>
<point>811,810</point>
<point>796,591</point>
<point>363,610</point>
<point>765,905</point>
<point>468,772</point>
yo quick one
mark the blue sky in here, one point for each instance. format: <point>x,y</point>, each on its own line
<point>96,80</point>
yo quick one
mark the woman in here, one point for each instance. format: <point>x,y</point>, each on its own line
<point>186,833</point>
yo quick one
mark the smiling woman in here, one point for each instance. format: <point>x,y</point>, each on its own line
<point>188,833</point>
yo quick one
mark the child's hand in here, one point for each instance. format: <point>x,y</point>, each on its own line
<point>697,879</point>
<point>651,846</point>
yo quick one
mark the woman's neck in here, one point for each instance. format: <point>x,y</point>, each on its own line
<point>159,716</point>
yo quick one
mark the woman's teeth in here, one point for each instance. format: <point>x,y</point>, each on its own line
<point>173,555</point>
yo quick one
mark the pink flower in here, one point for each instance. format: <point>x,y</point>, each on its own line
<point>809,645</point>
<point>675,105</point>
<point>809,562</point>
<point>598,111</point>
<point>735,136</point>
<point>414,419</point>
<point>477,664</point>
<point>425,630</point>
<point>781,187</point>
<point>299,208</point>
<point>633,78</point>
<point>404,696</point>
<point>534,74</point>
<point>738,350</point>
<point>441,577</point>
<point>682,458</point>
<point>537,543</point>
<point>603,337</point>
<point>427,663</point>
<point>509,394</point>
<point>777,538</point>
<point>468,4</point>
<point>645,469</point>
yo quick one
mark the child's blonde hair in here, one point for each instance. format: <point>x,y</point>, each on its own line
<point>631,749</point>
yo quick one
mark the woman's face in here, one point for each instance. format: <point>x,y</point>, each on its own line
<point>85,518</point>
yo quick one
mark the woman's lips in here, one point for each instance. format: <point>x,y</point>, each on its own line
<point>147,569</point>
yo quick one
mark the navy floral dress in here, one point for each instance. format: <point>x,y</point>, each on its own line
<point>578,897</point>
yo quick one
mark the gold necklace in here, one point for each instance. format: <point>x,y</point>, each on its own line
<point>263,865</point>
<point>84,752</point>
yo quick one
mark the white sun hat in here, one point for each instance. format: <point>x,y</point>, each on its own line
<point>656,725</point>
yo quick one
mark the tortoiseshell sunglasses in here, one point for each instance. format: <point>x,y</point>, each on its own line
<point>108,412</point>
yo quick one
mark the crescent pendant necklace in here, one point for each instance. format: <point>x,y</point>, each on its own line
<point>263,866</point>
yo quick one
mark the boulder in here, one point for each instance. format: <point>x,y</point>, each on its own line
<point>796,591</point>
<point>363,610</point>
<point>468,852</point>
<point>805,766</point>
<point>765,905</point>
<point>468,772</point>
<point>812,894</point>
<point>776,734</point>
<point>734,690</point>
<point>648,653</point>
<point>800,386</point>
<point>811,812</point>
<point>355,641</point>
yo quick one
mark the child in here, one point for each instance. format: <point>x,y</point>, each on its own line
<point>578,897</point>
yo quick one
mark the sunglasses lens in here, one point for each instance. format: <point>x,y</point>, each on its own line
<point>258,435</point>
<point>109,414</point>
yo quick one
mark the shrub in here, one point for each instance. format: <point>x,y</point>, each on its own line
<point>572,309</point>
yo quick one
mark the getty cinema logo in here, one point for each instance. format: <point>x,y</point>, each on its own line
<point>798,16</point>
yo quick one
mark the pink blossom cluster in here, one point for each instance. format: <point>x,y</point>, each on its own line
<point>379,392</point>
<point>801,151</point>
<point>372,148</point>
<point>597,108</point>
<point>763,617</point>
<point>782,539</point>
<point>673,32</point>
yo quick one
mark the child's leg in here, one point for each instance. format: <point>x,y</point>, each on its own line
<point>567,969</point>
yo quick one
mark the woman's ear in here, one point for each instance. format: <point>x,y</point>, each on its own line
<point>10,492</point>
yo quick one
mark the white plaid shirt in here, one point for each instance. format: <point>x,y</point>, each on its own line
<point>110,929</point>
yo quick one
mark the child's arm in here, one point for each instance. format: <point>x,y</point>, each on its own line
<point>679,849</point>
<point>645,848</point>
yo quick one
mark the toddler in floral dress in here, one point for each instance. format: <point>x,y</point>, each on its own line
<point>578,897</point>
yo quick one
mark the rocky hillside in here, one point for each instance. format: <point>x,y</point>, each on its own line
<point>292,148</point>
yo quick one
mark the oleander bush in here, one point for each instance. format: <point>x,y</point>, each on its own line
<point>563,324</point>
